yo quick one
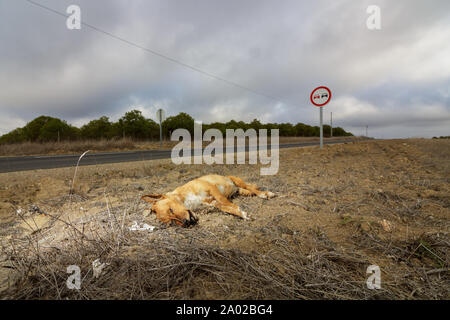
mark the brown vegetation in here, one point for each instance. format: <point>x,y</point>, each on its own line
<point>341,209</point>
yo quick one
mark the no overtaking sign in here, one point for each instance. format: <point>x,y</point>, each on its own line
<point>320,96</point>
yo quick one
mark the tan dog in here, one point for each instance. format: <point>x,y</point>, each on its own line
<point>212,190</point>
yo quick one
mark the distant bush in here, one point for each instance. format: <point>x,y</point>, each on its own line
<point>133,125</point>
<point>182,120</point>
<point>56,129</point>
<point>97,129</point>
<point>42,129</point>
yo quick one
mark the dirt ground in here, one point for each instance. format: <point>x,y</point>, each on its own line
<point>338,210</point>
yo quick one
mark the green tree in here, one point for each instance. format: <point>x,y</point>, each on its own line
<point>55,129</point>
<point>182,120</point>
<point>15,136</point>
<point>339,132</point>
<point>33,128</point>
<point>136,126</point>
<point>255,124</point>
<point>300,129</point>
<point>97,129</point>
<point>326,130</point>
<point>287,130</point>
<point>216,125</point>
<point>116,131</point>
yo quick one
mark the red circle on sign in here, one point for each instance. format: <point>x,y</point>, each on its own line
<point>318,104</point>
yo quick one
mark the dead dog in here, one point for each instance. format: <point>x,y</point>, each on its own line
<point>212,190</point>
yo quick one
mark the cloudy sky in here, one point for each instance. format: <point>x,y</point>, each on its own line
<point>395,80</point>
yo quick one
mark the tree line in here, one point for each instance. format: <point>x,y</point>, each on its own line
<point>135,126</point>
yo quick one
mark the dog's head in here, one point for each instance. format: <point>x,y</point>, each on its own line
<point>170,209</point>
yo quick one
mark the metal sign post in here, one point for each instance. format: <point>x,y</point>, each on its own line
<point>321,127</point>
<point>160,116</point>
<point>331,125</point>
<point>320,97</point>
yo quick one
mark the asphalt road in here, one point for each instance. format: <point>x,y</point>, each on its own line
<point>11,164</point>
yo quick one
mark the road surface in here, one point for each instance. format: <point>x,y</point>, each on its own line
<point>11,164</point>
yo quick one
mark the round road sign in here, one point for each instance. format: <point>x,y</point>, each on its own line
<point>320,96</point>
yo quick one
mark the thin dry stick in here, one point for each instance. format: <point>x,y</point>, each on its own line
<point>75,174</point>
<point>109,212</point>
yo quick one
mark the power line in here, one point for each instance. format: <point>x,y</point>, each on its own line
<point>232,83</point>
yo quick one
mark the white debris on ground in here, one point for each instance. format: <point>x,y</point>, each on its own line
<point>143,227</point>
<point>98,267</point>
<point>387,226</point>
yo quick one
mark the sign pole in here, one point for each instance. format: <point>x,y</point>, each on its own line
<point>331,125</point>
<point>160,133</point>
<point>321,127</point>
<point>160,116</point>
<point>320,97</point>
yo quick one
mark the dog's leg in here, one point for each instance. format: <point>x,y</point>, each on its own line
<point>250,189</point>
<point>222,203</point>
<point>245,192</point>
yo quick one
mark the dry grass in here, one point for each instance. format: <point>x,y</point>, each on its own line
<point>183,264</point>
<point>314,241</point>
<point>34,148</point>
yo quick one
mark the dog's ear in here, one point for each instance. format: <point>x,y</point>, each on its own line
<point>152,198</point>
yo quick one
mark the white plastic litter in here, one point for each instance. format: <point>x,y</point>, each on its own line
<point>143,227</point>
<point>98,267</point>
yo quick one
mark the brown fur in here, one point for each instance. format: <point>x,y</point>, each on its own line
<point>212,190</point>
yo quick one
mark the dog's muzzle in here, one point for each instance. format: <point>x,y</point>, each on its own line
<point>191,221</point>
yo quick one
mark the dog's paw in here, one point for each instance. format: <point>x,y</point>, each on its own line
<point>270,195</point>
<point>266,195</point>
<point>244,215</point>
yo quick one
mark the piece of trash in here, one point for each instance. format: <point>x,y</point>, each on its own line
<point>387,226</point>
<point>143,227</point>
<point>98,267</point>
<point>19,211</point>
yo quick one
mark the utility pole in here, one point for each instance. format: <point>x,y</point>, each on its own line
<point>160,115</point>
<point>331,125</point>
<point>367,130</point>
<point>160,135</point>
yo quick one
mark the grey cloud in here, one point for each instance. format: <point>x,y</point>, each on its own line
<point>281,49</point>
